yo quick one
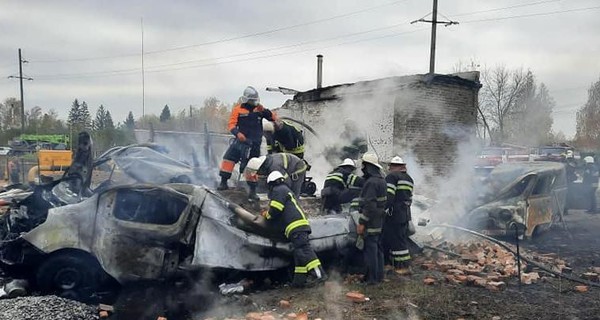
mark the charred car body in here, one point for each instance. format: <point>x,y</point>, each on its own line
<point>523,197</point>
<point>140,224</point>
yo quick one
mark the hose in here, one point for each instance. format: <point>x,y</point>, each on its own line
<point>529,261</point>
<point>309,128</point>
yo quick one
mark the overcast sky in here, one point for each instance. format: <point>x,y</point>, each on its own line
<point>194,49</point>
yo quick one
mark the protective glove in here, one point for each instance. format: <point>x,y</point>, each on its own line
<point>360,229</point>
<point>240,136</point>
<point>265,214</point>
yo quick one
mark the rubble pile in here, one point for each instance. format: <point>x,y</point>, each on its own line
<point>484,265</point>
<point>46,308</point>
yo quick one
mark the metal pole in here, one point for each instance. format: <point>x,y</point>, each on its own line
<point>319,71</point>
<point>433,33</point>
<point>21,87</point>
<point>518,254</point>
<point>143,75</point>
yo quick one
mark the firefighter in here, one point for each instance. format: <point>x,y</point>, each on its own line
<point>372,210</point>
<point>245,123</point>
<point>284,136</point>
<point>336,183</point>
<point>285,212</point>
<point>395,231</point>
<point>292,167</point>
<point>590,182</point>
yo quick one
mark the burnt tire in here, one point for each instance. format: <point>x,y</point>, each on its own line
<point>70,275</point>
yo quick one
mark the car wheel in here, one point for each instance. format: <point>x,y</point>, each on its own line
<point>69,275</point>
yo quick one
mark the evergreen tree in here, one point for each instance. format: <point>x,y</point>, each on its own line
<point>74,114</point>
<point>165,115</point>
<point>130,121</point>
<point>85,117</point>
<point>100,122</point>
<point>108,121</point>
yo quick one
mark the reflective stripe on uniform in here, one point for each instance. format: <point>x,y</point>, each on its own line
<point>277,205</point>
<point>298,223</point>
<point>313,264</point>
<point>398,253</point>
<point>381,199</point>
<point>391,188</point>
<point>363,217</point>
<point>299,149</point>
<point>373,230</point>
<point>404,185</point>
<point>401,258</point>
<point>300,270</point>
<point>336,176</point>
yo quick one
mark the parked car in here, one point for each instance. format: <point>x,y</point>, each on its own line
<point>5,151</point>
<point>528,197</point>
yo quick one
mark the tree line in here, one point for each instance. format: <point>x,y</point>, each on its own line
<point>105,131</point>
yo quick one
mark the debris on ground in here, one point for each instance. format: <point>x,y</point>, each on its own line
<point>486,265</point>
<point>581,289</point>
<point>46,308</point>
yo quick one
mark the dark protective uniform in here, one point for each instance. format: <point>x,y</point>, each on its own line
<point>289,139</point>
<point>372,207</point>
<point>336,183</point>
<point>590,182</point>
<point>395,231</point>
<point>287,215</point>
<point>245,119</point>
<point>292,168</point>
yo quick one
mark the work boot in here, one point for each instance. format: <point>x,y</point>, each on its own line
<point>404,271</point>
<point>299,281</point>
<point>223,185</point>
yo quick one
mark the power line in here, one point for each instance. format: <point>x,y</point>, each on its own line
<point>532,15</point>
<point>226,57</point>
<point>245,59</point>
<point>229,39</point>
<point>504,8</point>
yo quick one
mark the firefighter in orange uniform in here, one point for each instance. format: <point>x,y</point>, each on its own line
<point>245,123</point>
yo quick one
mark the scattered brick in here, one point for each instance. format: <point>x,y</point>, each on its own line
<point>302,316</point>
<point>496,286</point>
<point>106,307</point>
<point>291,316</point>
<point>161,318</point>
<point>355,296</point>
<point>267,317</point>
<point>428,266</point>
<point>253,316</point>
<point>581,289</point>
<point>429,281</point>
<point>103,314</point>
<point>284,304</point>
<point>592,276</point>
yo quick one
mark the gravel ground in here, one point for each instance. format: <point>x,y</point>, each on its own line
<point>45,308</point>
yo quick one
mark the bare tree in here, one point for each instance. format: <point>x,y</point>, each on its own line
<point>588,120</point>
<point>501,89</point>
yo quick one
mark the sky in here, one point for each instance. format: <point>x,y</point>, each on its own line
<point>194,49</point>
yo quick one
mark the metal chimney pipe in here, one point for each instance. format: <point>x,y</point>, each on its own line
<point>319,71</point>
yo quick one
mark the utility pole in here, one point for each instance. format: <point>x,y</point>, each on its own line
<point>20,77</point>
<point>434,22</point>
<point>143,76</point>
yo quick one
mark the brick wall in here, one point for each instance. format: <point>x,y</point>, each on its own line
<point>419,115</point>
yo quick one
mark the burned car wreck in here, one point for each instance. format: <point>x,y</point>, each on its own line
<point>523,197</point>
<point>73,240</point>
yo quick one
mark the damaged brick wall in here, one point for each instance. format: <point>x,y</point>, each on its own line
<point>420,115</point>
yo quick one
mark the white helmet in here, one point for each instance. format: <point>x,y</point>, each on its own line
<point>347,162</point>
<point>250,96</point>
<point>588,159</point>
<point>268,126</point>
<point>397,160</point>
<point>372,159</point>
<point>274,176</point>
<point>569,154</point>
<point>255,163</point>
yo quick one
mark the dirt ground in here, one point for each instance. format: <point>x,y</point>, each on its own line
<point>408,298</point>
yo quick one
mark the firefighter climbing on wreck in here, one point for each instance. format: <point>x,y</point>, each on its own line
<point>284,136</point>
<point>396,227</point>
<point>292,168</point>
<point>287,215</point>
<point>338,185</point>
<point>245,123</point>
